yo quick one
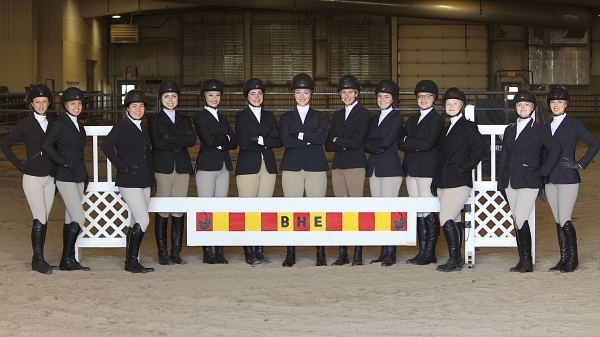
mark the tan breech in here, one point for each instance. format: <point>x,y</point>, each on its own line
<point>172,185</point>
<point>385,186</point>
<point>72,195</point>
<point>452,201</point>
<point>348,182</point>
<point>261,184</point>
<point>295,183</point>
<point>562,208</point>
<point>521,203</point>
<point>39,192</point>
<point>137,200</point>
<point>419,187</point>
<point>213,183</point>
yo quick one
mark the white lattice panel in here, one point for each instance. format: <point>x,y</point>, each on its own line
<point>107,215</point>
<point>493,218</point>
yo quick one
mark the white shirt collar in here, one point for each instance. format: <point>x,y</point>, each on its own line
<point>349,108</point>
<point>455,119</point>
<point>559,119</point>
<point>303,109</point>
<point>521,124</point>
<point>40,118</point>
<point>523,121</point>
<point>425,112</point>
<point>212,111</point>
<point>74,119</point>
<point>137,122</point>
<point>170,114</point>
<point>387,111</point>
<point>384,114</point>
<point>556,121</point>
<point>255,109</point>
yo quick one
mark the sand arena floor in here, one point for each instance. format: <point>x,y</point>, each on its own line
<point>269,300</point>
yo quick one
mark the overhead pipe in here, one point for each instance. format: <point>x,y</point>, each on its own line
<point>485,11</point>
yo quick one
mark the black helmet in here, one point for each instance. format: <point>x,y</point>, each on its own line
<point>455,93</point>
<point>211,85</point>
<point>39,90</point>
<point>427,86</point>
<point>303,81</point>
<point>168,86</point>
<point>348,82</point>
<point>389,87</point>
<point>134,96</point>
<point>558,93</point>
<point>525,96</point>
<point>72,94</point>
<point>253,83</point>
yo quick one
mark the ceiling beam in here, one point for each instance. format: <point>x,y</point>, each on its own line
<point>97,8</point>
<point>548,14</point>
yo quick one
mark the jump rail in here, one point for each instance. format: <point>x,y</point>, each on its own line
<point>301,221</point>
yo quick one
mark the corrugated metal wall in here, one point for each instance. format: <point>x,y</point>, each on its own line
<point>451,55</point>
<point>16,17</point>
<point>73,29</point>
<point>213,47</point>
<point>213,50</point>
<point>51,22</point>
<point>359,45</point>
<point>281,45</point>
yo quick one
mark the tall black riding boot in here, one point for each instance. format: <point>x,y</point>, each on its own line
<point>432,233</point>
<point>562,246</point>
<point>135,235</point>
<point>160,233</point>
<point>571,242</point>
<point>290,257</point>
<point>68,261</point>
<point>45,231</point>
<point>220,255</point>
<point>519,265</point>
<point>259,254</point>
<point>381,255</point>
<point>321,257</point>
<point>342,258</point>
<point>451,234</point>
<point>249,255</point>
<point>176,239</point>
<point>357,257</point>
<point>460,229</point>
<point>37,243</point>
<point>525,242</point>
<point>208,256</point>
<point>390,257</point>
<point>422,237</point>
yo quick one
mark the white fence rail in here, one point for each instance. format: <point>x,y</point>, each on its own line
<point>301,221</point>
